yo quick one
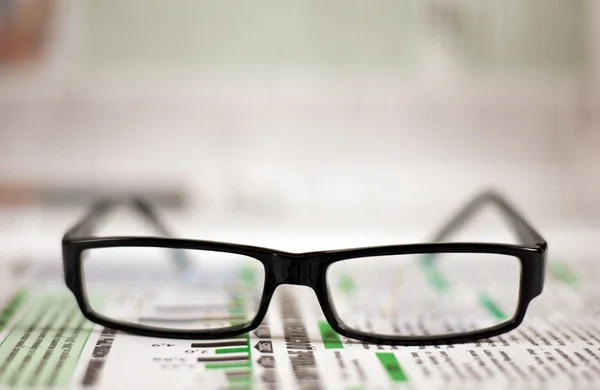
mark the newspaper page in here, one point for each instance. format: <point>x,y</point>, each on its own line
<point>45,342</point>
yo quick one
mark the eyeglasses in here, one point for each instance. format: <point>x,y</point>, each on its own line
<point>418,294</point>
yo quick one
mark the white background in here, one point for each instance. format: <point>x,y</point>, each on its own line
<point>296,148</point>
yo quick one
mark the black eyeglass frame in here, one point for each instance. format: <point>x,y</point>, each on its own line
<point>310,269</point>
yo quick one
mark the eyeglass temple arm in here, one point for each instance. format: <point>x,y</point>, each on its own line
<point>524,231</point>
<point>101,210</point>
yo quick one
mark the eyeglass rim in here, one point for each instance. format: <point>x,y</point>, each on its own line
<point>532,259</point>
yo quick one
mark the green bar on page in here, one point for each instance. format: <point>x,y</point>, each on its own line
<point>12,307</point>
<point>563,273</point>
<point>433,274</point>
<point>54,325</point>
<point>330,338</point>
<point>237,311</point>
<point>248,275</point>
<point>231,350</point>
<point>245,379</point>
<point>225,366</point>
<point>346,284</point>
<point>392,366</point>
<point>41,362</point>
<point>492,307</point>
<point>12,352</point>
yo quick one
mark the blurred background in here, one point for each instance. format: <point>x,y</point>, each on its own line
<point>346,117</point>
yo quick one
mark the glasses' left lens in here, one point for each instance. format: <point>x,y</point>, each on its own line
<point>172,288</point>
<point>424,295</point>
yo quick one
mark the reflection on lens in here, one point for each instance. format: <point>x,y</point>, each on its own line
<point>425,295</point>
<point>172,288</point>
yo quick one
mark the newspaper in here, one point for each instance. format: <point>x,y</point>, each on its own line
<point>46,343</point>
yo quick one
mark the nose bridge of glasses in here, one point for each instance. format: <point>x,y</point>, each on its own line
<point>302,271</point>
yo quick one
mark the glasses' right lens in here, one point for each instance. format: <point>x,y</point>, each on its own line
<point>425,295</point>
<point>172,288</point>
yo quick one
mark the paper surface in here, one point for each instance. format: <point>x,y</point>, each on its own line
<point>46,343</point>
